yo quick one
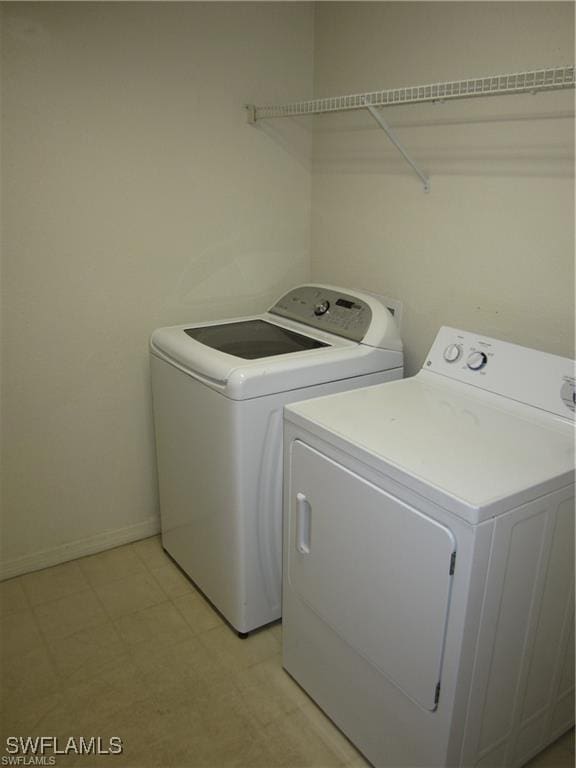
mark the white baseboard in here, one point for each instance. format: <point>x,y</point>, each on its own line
<point>80,548</point>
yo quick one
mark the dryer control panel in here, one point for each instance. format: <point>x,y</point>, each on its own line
<point>526,375</point>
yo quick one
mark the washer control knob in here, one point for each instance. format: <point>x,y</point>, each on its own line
<point>476,361</point>
<point>321,308</point>
<point>453,353</point>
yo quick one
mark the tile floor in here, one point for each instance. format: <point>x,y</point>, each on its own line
<point>121,644</point>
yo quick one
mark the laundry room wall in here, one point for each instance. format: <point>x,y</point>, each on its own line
<point>134,195</point>
<point>491,247</point>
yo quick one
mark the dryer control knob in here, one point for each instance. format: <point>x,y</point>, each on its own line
<point>476,361</point>
<point>453,353</point>
<point>568,395</point>
<point>322,307</point>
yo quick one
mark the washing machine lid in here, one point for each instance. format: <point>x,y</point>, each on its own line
<point>470,451</point>
<point>253,339</point>
<point>313,334</point>
<point>299,356</point>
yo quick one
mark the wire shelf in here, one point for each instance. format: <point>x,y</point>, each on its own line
<point>534,81</point>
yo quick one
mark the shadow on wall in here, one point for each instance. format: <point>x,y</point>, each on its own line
<point>521,135</point>
<point>291,135</point>
<point>248,268</point>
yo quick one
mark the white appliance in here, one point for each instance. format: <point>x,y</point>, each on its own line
<point>428,600</point>
<point>218,390</point>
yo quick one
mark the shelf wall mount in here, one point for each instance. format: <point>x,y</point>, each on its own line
<point>377,115</point>
<point>533,81</point>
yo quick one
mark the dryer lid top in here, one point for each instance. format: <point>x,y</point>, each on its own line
<point>471,452</point>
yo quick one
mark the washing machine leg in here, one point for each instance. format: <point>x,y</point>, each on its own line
<point>243,635</point>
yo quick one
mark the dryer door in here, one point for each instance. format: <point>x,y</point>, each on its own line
<point>373,568</point>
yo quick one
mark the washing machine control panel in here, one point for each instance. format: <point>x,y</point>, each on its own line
<point>343,314</point>
<point>526,375</point>
<point>322,307</point>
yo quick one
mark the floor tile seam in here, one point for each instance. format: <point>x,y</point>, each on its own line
<point>193,629</point>
<point>227,663</point>
<point>158,582</point>
<point>166,598</point>
<point>50,710</point>
<point>110,663</point>
<point>261,660</point>
<point>186,590</point>
<point>183,697</point>
<point>281,715</point>
<point>123,663</point>
<point>153,564</point>
<point>45,643</point>
<point>210,648</point>
<point>21,578</point>
<point>173,596</point>
<point>197,598</point>
<point>61,597</point>
<point>294,705</point>
<point>134,545</point>
<point>187,673</point>
<point>129,547</point>
<point>318,731</point>
<point>7,659</point>
<point>249,725</point>
<point>51,600</point>
<point>67,681</point>
<point>339,761</point>
<point>170,563</point>
<point>102,583</point>
<point>111,619</point>
<point>106,621</point>
<point>130,647</point>
<point>26,598</point>
<point>94,624</point>
<point>139,645</point>
<point>290,716</point>
<point>145,562</point>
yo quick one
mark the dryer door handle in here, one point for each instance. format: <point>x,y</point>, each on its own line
<point>303,523</point>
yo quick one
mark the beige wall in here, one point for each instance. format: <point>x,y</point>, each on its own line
<point>134,195</point>
<point>491,247</point>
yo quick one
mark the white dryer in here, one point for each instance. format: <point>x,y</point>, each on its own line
<point>428,602</point>
<point>218,391</point>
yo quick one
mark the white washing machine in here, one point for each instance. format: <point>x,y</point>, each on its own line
<point>428,602</point>
<point>218,390</point>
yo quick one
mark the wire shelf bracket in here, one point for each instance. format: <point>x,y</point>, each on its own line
<point>533,81</point>
<point>377,115</point>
